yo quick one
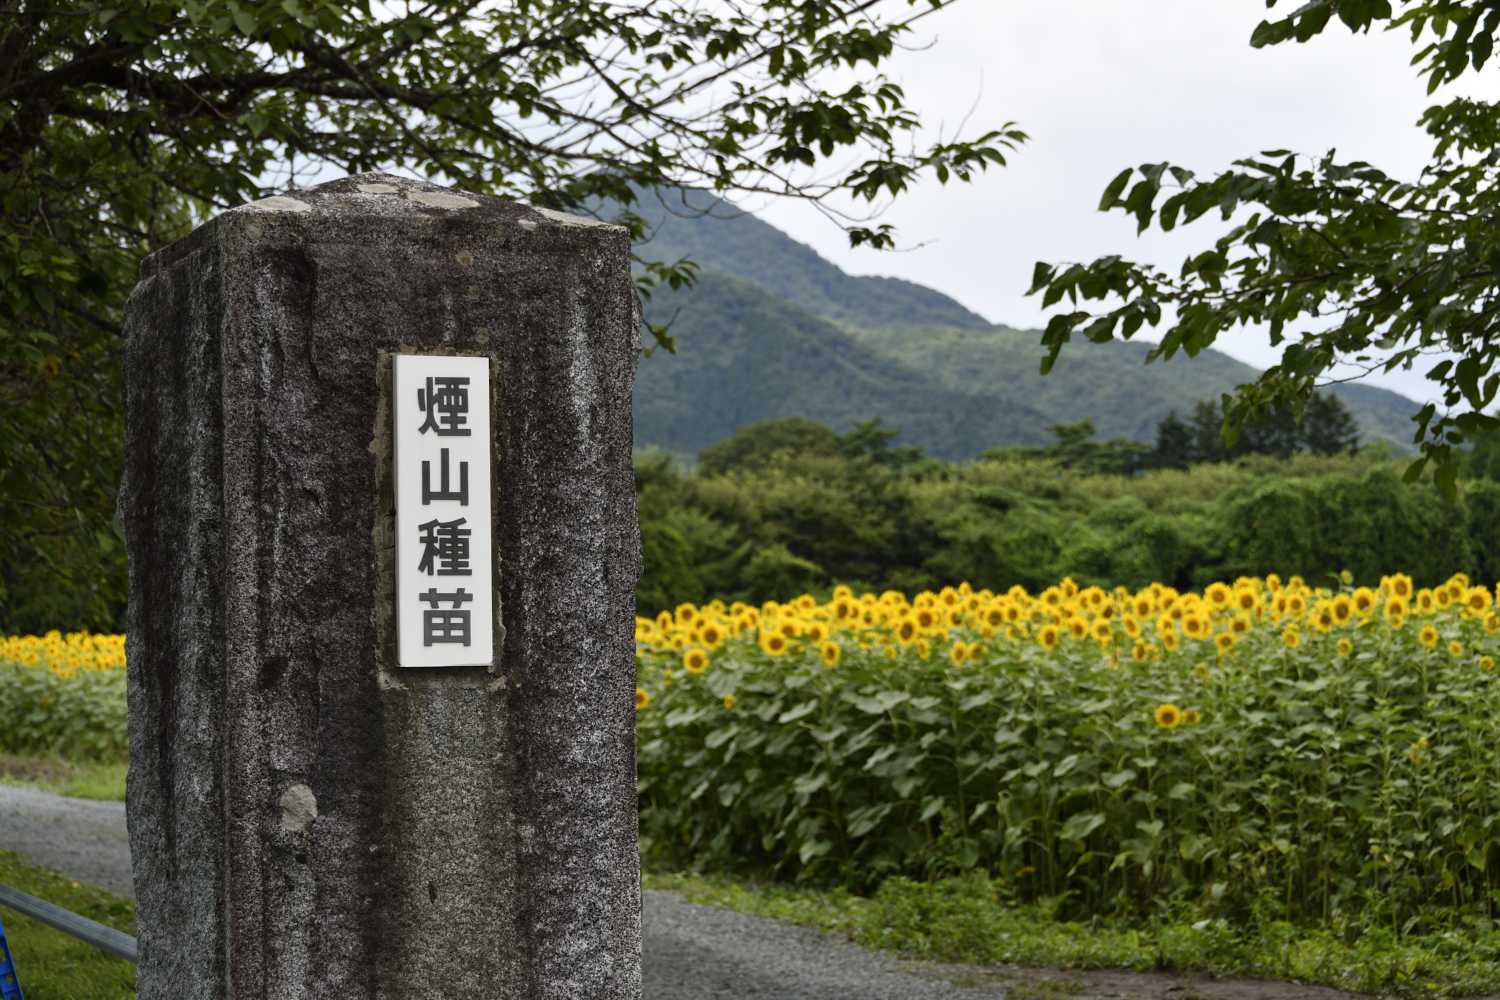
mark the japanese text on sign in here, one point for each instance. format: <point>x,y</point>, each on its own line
<point>444,591</point>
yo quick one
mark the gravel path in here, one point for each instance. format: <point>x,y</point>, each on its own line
<point>690,952</point>
<point>79,837</point>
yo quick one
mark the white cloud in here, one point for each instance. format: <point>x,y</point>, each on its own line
<point>1105,84</point>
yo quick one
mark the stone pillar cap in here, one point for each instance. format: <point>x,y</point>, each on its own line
<point>390,195</point>
<point>386,199</point>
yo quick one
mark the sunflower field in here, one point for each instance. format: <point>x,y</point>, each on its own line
<point>63,695</point>
<point>1317,754</point>
<point>1263,747</point>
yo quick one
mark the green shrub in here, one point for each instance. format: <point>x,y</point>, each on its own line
<point>78,716</point>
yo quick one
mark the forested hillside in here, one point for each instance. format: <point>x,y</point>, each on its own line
<point>773,330</point>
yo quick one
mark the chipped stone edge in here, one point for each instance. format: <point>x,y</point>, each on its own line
<point>577,221</point>
<point>299,807</point>
<point>275,203</point>
<point>440,199</point>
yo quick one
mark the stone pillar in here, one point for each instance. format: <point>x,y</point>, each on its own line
<point>308,819</point>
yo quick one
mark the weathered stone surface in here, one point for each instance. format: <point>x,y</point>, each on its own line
<point>307,820</point>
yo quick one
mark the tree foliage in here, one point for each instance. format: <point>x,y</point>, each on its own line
<point>1341,261</point>
<point>813,508</point>
<point>123,123</point>
<point>1326,427</point>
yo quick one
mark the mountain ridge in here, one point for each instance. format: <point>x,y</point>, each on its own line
<point>771,329</point>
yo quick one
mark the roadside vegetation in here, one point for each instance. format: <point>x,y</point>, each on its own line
<point>973,920</point>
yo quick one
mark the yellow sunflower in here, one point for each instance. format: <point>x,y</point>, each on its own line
<point>906,630</point>
<point>1396,609</point>
<point>642,699</point>
<point>1218,595</point>
<point>1167,716</point>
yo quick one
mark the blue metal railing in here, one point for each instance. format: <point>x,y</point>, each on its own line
<point>10,981</point>
<point>106,939</point>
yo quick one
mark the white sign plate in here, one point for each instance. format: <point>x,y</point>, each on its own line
<point>445,605</point>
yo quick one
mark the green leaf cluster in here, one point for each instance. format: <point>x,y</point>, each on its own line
<point>82,716</point>
<point>1343,263</point>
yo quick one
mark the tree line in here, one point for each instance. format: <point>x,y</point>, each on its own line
<point>1325,427</point>
<point>789,506</point>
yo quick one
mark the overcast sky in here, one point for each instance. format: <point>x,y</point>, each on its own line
<point>1105,84</point>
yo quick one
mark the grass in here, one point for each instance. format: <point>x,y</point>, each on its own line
<point>955,920</point>
<point>53,965</point>
<point>79,779</point>
<point>966,921</point>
